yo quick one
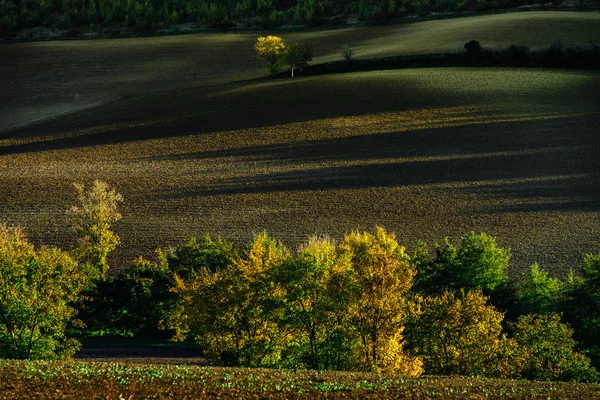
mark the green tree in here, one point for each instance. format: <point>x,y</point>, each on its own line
<point>379,279</point>
<point>270,50</point>
<point>460,334</point>
<point>133,303</point>
<point>582,306</point>
<point>297,56</point>
<point>537,293</point>
<point>548,348</point>
<point>37,289</point>
<point>207,253</point>
<point>477,264</point>
<point>92,218</point>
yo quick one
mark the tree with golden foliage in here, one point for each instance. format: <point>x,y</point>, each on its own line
<point>380,277</point>
<point>459,333</point>
<point>92,218</point>
<point>232,312</point>
<point>270,50</point>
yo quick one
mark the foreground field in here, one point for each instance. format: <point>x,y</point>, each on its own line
<point>71,380</point>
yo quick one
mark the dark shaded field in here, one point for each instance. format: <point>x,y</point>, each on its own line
<point>196,146</point>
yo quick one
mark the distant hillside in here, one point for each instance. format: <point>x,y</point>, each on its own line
<point>67,18</point>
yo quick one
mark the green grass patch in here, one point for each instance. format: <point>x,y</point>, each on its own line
<point>28,380</point>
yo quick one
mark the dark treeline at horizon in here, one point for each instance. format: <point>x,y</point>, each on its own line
<point>117,16</point>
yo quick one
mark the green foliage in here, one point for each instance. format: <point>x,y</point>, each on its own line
<point>548,348</point>
<point>477,264</point>
<point>132,304</point>
<point>92,218</point>
<point>206,253</point>
<point>37,289</point>
<point>583,303</point>
<point>297,56</point>
<point>537,293</point>
<point>460,334</point>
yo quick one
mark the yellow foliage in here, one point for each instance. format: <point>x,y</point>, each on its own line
<point>461,335</point>
<point>381,276</point>
<point>270,50</point>
<point>92,218</point>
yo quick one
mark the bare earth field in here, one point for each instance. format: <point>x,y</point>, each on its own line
<point>196,144</point>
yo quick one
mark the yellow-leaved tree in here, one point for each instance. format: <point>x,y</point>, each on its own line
<point>461,334</point>
<point>92,218</point>
<point>380,277</point>
<point>233,312</point>
<point>314,306</point>
<point>271,51</point>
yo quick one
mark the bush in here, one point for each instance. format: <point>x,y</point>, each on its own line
<point>547,346</point>
<point>37,289</point>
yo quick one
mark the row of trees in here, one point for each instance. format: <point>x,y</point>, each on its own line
<point>359,304</point>
<point>144,15</point>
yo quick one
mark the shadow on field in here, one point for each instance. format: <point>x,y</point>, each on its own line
<point>516,161</point>
<point>247,105</point>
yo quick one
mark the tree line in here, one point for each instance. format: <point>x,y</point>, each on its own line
<point>360,303</point>
<point>113,16</point>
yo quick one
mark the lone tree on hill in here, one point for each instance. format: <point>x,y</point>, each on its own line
<point>297,56</point>
<point>270,50</point>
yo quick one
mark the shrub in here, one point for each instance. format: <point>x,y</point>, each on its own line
<point>37,289</point>
<point>460,334</point>
<point>547,346</point>
<point>347,53</point>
